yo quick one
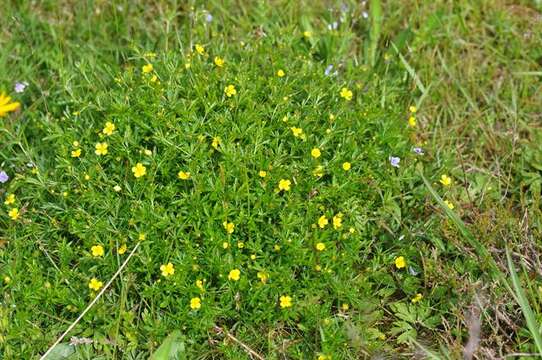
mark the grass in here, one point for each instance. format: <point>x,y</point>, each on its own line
<point>306,288</point>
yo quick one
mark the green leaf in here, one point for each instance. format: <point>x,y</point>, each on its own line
<point>61,351</point>
<point>172,348</point>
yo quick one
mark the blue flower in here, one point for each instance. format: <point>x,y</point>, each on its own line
<point>418,150</point>
<point>20,86</point>
<point>3,177</point>
<point>394,161</point>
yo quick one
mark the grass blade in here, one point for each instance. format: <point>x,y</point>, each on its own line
<point>521,298</point>
<point>376,28</point>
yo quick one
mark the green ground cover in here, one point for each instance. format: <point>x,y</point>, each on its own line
<point>282,181</point>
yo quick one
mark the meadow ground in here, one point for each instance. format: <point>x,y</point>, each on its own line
<point>280,180</point>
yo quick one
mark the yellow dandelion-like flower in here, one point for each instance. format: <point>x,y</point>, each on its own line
<point>346,94</point>
<point>234,275</point>
<point>95,284</point>
<point>285,301</point>
<point>195,303</point>
<point>229,227</point>
<point>322,221</point>
<point>6,105</point>
<point>200,49</point>
<point>97,250</point>
<point>284,185</point>
<point>109,128</point>
<point>337,221</point>
<point>13,213</point>
<point>10,199</point>
<point>412,121</point>
<point>445,180</point>
<point>262,276</point>
<point>315,153</point>
<point>215,143</point>
<point>412,109</point>
<point>167,269</point>
<point>122,249</point>
<point>219,61</point>
<point>281,73</point>
<point>230,91</point>
<point>76,153</point>
<point>298,132</point>
<point>139,170</point>
<point>347,166</point>
<point>320,246</point>
<point>400,262</point>
<point>449,204</point>
<point>147,68</point>
<point>183,175</point>
<point>262,173</point>
<point>101,149</point>
<point>416,298</point>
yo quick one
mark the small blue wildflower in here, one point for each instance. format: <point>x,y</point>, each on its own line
<point>3,177</point>
<point>20,86</point>
<point>328,70</point>
<point>394,161</point>
<point>209,17</point>
<point>418,150</point>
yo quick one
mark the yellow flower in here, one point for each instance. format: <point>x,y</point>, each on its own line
<point>281,73</point>
<point>215,143</point>
<point>76,153</point>
<point>97,250</point>
<point>284,184</point>
<point>139,170</point>
<point>13,213</point>
<point>10,199</point>
<point>337,221</point>
<point>117,188</point>
<point>285,301</point>
<point>7,279</point>
<point>345,307</point>
<point>122,249</point>
<point>449,204</point>
<point>199,284</point>
<point>262,276</point>
<point>108,128</point>
<point>195,303</point>
<point>230,90</point>
<point>307,34</point>
<point>320,246</point>
<point>240,245</point>
<point>400,262</point>
<point>346,94</point>
<point>219,61</point>
<point>167,269</point>
<point>142,237</point>
<point>276,247</point>
<point>75,143</point>
<point>229,226</point>
<point>445,180</point>
<point>253,257</point>
<point>298,132</point>
<point>347,166</point>
<point>417,298</point>
<point>315,153</point>
<point>147,68</point>
<point>262,173</point>
<point>154,78</point>
<point>225,244</point>
<point>412,109</point>
<point>6,105</point>
<point>183,175</point>
<point>412,121</point>
<point>95,284</point>
<point>101,149</point>
<point>234,275</point>
<point>200,49</point>
<point>322,221</point>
